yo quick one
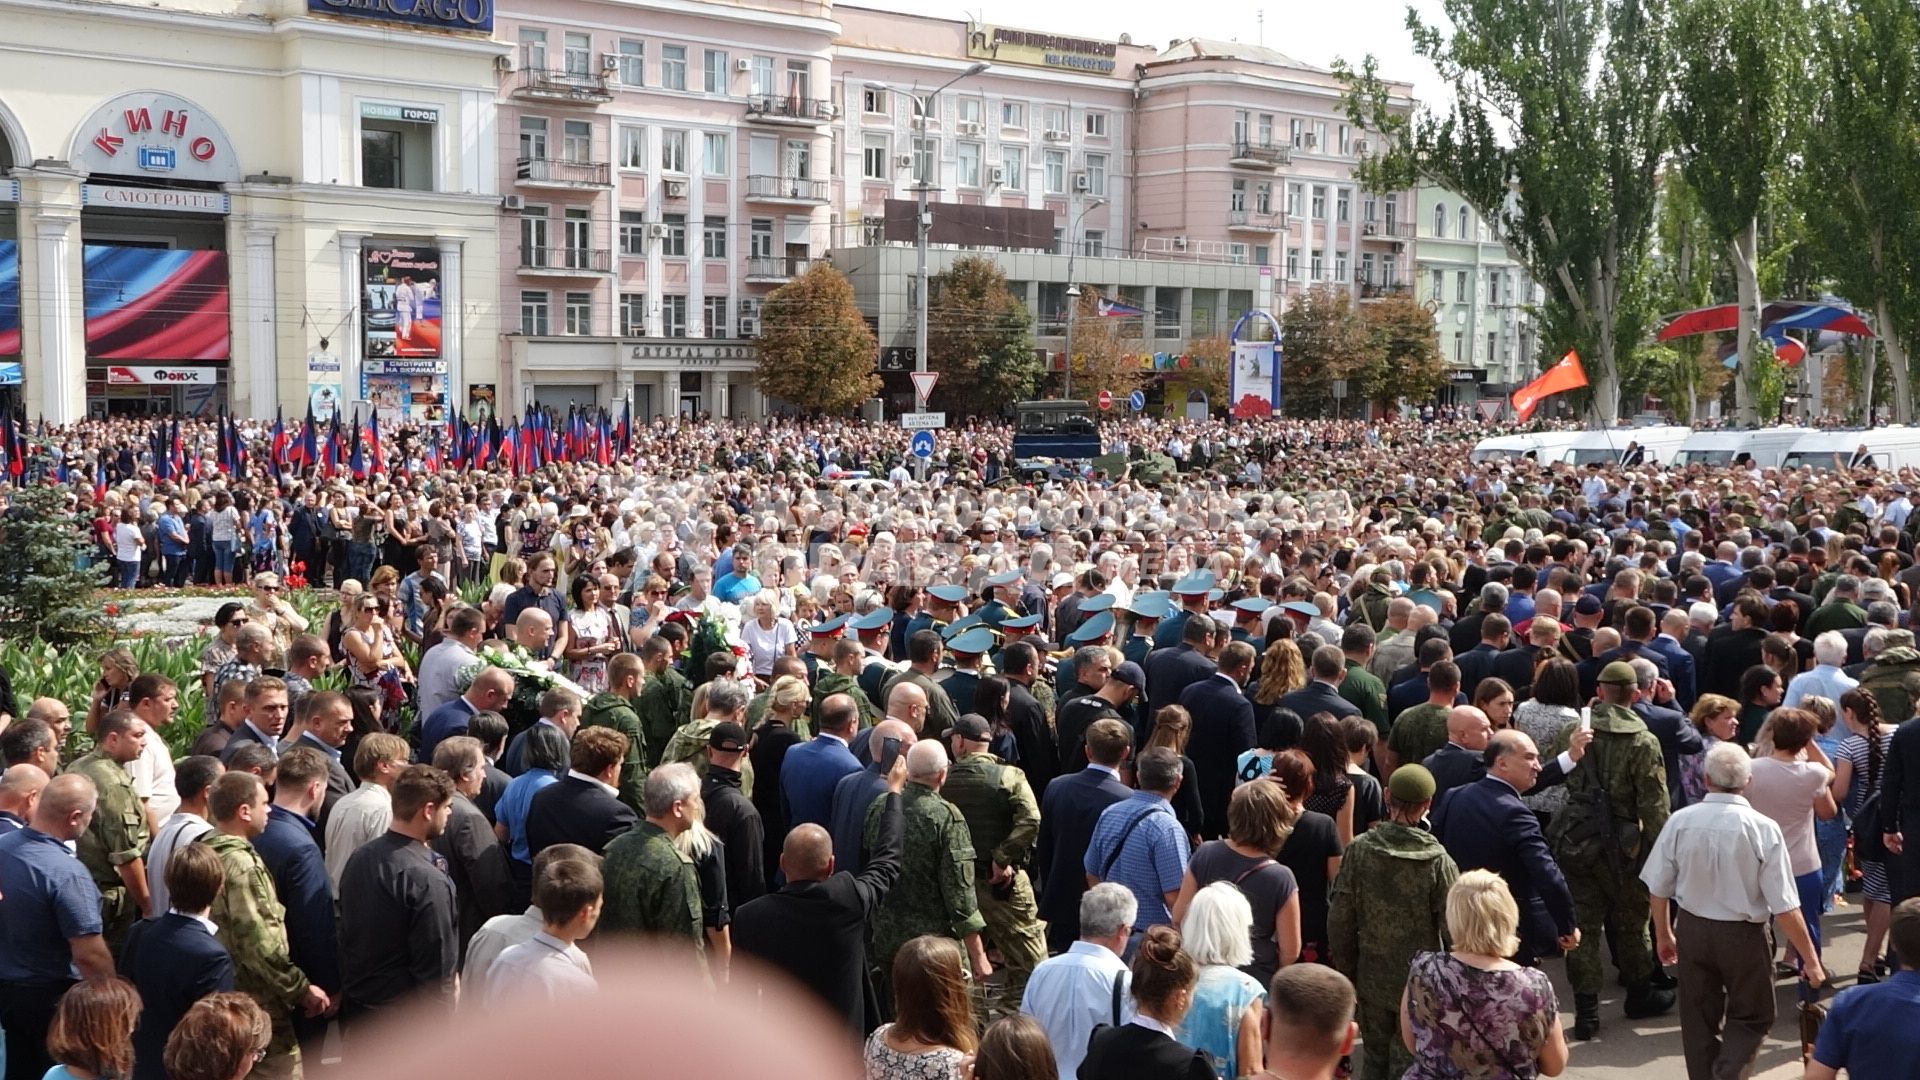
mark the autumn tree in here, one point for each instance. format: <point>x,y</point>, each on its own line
<point>1406,364</point>
<point>1325,339</point>
<point>815,350</point>
<point>1209,363</point>
<point>980,340</point>
<point>1105,357</point>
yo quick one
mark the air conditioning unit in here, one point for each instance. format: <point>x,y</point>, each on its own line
<point>513,202</point>
<point>1081,183</point>
<point>1312,142</point>
<point>968,127</point>
<point>1179,243</point>
<point>743,65</point>
<point>749,326</point>
<point>1056,135</point>
<point>507,64</point>
<point>656,231</point>
<point>904,161</point>
<point>676,189</point>
<point>996,175</point>
<point>609,62</point>
<point>1359,146</point>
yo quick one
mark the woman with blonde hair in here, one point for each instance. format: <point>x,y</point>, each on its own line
<point>789,699</point>
<point>1718,718</point>
<point>118,669</point>
<point>1228,1014</point>
<point>1282,671</point>
<point>1472,1011</point>
<point>92,1033</point>
<point>933,1029</point>
<point>222,1037</point>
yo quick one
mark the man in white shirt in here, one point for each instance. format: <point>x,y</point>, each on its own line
<point>1726,865</point>
<point>156,700</point>
<point>550,966</point>
<point>366,811</point>
<point>503,932</point>
<point>1086,986</point>
<point>193,780</point>
<point>440,669</point>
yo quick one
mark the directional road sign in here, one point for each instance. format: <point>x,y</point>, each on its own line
<point>922,445</point>
<point>1137,400</point>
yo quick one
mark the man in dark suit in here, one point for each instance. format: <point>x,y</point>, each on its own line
<point>290,850</point>
<point>325,720</point>
<point>815,927</point>
<point>1465,633</point>
<point>266,717</point>
<point>1678,737</point>
<point>475,858</point>
<point>811,771</point>
<point>1463,760</point>
<point>1222,729</point>
<point>1069,810</point>
<point>1486,826</point>
<point>1404,694</point>
<point>1516,665</point>
<point>1680,666</point>
<point>584,807</point>
<point>854,795</point>
<point>174,959</point>
<point>1322,692</point>
<point>1479,662</point>
<point>1171,671</point>
<point>1900,810</point>
<point>1733,648</point>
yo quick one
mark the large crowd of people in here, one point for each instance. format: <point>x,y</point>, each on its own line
<point>1263,748</point>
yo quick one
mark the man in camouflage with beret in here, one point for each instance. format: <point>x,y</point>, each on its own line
<point>1003,821</point>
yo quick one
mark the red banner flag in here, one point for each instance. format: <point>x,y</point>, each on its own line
<point>1563,376</point>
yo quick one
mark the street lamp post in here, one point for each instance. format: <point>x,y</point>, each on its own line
<point>1073,289</point>
<point>921,225</point>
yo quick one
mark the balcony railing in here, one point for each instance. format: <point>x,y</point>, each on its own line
<point>782,109</point>
<point>777,268</point>
<point>1385,230</point>
<point>1375,290</point>
<point>1254,220</point>
<point>566,260</point>
<point>559,84</point>
<point>559,172</point>
<point>1260,155</point>
<point>786,189</point>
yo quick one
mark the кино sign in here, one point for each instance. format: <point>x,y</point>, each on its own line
<point>155,134</point>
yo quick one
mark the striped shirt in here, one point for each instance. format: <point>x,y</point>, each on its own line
<point>1151,862</point>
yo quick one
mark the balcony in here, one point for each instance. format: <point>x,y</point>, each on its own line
<point>566,261</point>
<point>1251,155</point>
<point>788,190</point>
<point>1386,231</point>
<point>792,111</point>
<point>1380,290</point>
<point>558,173</point>
<point>775,270</point>
<point>560,86</point>
<point>1255,221</point>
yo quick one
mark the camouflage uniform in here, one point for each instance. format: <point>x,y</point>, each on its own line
<point>1388,903</point>
<point>1626,761</point>
<point>651,889</point>
<point>1886,680</point>
<point>1418,732</point>
<point>253,927</point>
<point>689,744</point>
<point>1003,821</point>
<point>831,683</point>
<point>118,835</point>
<point>935,893</point>
<point>666,702</point>
<point>940,710</point>
<point>610,710</point>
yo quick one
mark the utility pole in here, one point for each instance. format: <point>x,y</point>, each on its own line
<point>1073,290</point>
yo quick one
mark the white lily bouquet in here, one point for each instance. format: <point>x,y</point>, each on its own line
<point>515,660</point>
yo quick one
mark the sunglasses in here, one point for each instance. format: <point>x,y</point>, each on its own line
<point>238,622</point>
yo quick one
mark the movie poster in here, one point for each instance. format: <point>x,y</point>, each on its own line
<point>402,303</point>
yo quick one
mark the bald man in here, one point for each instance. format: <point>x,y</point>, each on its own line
<point>815,927</point>
<point>856,792</point>
<point>907,705</point>
<point>55,714</point>
<point>533,631</point>
<point>20,788</point>
<point>1459,762</point>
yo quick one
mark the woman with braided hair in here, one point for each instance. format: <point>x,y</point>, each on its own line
<point>1857,774</point>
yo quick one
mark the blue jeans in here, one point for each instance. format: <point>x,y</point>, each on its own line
<point>223,556</point>
<point>360,558</point>
<point>128,571</point>
<point>1813,898</point>
<point>1831,838</point>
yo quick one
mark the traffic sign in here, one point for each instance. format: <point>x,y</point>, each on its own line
<point>1106,399</point>
<point>923,421</point>
<point>923,382</point>
<point>922,445</point>
<point>1137,400</point>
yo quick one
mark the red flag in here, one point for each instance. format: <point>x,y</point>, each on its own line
<point>1565,375</point>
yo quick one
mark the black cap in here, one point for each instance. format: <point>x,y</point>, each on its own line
<point>970,726</point>
<point>728,737</point>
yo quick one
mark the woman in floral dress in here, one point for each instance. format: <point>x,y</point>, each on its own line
<point>592,638</point>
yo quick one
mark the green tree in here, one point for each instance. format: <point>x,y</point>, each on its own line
<point>44,593</point>
<point>1105,357</point>
<point>1557,127</point>
<point>1209,363</point>
<point>1863,170</point>
<point>980,339</point>
<point>1325,339</point>
<point>814,349</point>
<point>1738,106</point>
<point>1405,364</point>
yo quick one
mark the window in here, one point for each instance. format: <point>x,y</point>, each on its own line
<point>713,238</point>
<point>713,153</point>
<point>633,233</point>
<point>1263,197</point>
<point>1262,254</point>
<point>1366,268</point>
<point>1493,346</point>
<point>533,49</point>
<point>673,316</point>
<point>579,226</point>
<point>1460,286</point>
<point>799,160</point>
<point>967,156</point>
<point>713,315</point>
<point>1059,248</point>
<point>760,239</point>
<point>1319,202</point>
<point>1293,200</point>
<point>396,154</point>
<point>1056,118</point>
<point>1093,243</point>
<point>675,245</point>
<point>1296,132</point>
<point>533,313</point>
<point>673,67</point>
<point>1343,205</point>
<point>579,313</point>
<point>1096,125</point>
<point>673,151</point>
<point>633,314</point>
<point>633,147</point>
<point>1392,206</point>
<point>799,79</point>
<point>1460,348</point>
<point>1439,285</point>
<point>1293,263</point>
<point>1346,140</point>
<point>578,54</point>
<point>1237,253</point>
<point>750,317</point>
<point>715,70</point>
<point>1096,174</point>
<point>576,143</point>
<point>1237,198</point>
<point>1053,167</point>
<point>1493,287</point>
<point>1320,136</point>
<point>1266,129</point>
<point>1339,266</point>
<point>762,76</point>
<point>1440,221</point>
<point>633,62</point>
<point>533,137</point>
<point>925,150</point>
<point>535,236</point>
<point>1242,127</point>
<point>873,157</point>
<point>1371,209</point>
<point>1013,114</point>
<point>1466,224</point>
<point>1318,268</point>
<point>873,101</point>
<point>971,109</point>
<point>1013,168</point>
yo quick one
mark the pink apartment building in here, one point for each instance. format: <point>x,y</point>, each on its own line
<point>672,166</point>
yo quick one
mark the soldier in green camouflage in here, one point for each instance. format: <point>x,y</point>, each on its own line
<point>1388,904</point>
<point>849,656</point>
<point>1890,678</point>
<point>1616,805</point>
<point>935,893</point>
<point>1003,821</point>
<point>614,708</point>
<point>923,660</point>
<point>651,887</point>
<point>252,922</point>
<point>666,700</point>
<point>726,700</point>
<point>114,847</point>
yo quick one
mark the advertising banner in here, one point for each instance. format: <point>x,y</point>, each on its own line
<point>9,298</point>
<point>402,303</point>
<point>1252,393</point>
<point>157,304</point>
<point>323,384</point>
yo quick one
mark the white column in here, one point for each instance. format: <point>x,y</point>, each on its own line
<point>63,384</point>
<point>352,331</point>
<point>452,324</point>
<point>717,395</point>
<point>263,365</point>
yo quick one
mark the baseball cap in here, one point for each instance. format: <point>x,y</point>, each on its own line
<point>727,736</point>
<point>970,726</point>
<point>1059,581</point>
<point>1129,672</point>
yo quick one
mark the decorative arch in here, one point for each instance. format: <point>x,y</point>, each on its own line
<point>14,151</point>
<point>110,141</point>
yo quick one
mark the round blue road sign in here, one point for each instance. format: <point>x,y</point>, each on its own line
<point>922,444</point>
<point>1137,400</point>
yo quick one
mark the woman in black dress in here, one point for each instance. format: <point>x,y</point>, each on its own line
<point>1144,1048</point>
<point>1312,852</point>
